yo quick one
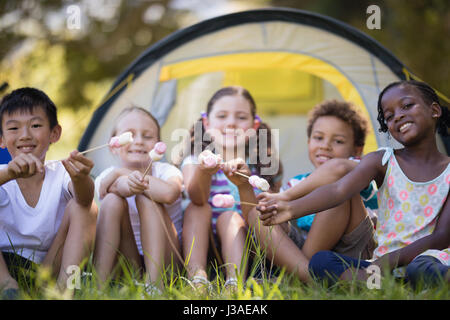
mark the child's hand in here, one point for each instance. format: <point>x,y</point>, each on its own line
<point>78,166</point>
<point>265,197</point>
<point>107,182</point>
<point>209,162</point>
<point>236,165</point>
<point>24,165</point>
<point>136,184</point>
<point>274,212</point>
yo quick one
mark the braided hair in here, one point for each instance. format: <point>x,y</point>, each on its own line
<point>429,96</point>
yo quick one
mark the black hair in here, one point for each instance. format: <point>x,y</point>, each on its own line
<point>428,95</point>
<point>26,100</point>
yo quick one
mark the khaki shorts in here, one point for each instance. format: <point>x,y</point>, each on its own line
<point>359,243</point>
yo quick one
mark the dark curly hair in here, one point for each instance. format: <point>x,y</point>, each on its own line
<point>428,95</point>
<point>344,111</point>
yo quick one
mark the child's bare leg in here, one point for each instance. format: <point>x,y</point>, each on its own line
<point>279,247</point>
<point>232,230</point>
<point>74,240</point>
<point>157,249</point>
<point>195,238</point>
<point>114,235</point>
<point>6,280</point>
<point>330,225</point>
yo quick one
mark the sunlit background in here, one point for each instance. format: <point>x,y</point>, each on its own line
<point>77,66</point>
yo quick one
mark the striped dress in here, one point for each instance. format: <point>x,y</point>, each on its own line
<point>219,184</point>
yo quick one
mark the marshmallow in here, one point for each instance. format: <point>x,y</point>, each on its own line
<point>263,185</point>
<point>252,180</point>
<point>209,159</point>
<point>155,156</point>
<point>120,141</point>
<point>259,183</point>
<point>223,201</point>
<point>157,153</point>
<point>160,147</point>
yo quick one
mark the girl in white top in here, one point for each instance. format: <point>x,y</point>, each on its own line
<point>140,216</point>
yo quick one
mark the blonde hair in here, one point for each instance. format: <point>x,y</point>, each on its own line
<point>129,110</point>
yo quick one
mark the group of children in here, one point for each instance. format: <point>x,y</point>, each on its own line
<point>319,226</point>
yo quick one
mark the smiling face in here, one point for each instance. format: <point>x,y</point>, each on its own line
<point>135,155</point>
<point>330,138</point>
<point>28,132</point>
<point>228,121</point>
<point>407,116</point>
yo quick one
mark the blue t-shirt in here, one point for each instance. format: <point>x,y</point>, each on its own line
<point>368,195</point>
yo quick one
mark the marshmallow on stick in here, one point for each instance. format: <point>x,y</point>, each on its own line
<point>258,182</point>
<point>115,142</point>
<point>156,154</point>
<point>227,201</point>
<point>210,160</point>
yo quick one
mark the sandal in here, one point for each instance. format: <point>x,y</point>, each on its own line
<point>149,288</point>
<point>200,282</point>
<point>231,284</point>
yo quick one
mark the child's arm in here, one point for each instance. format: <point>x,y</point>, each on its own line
<point>439,239</point>
<point>246,193</point>
<point>329,172</point>
<point>82,185</point>
<point>154,188</point>
<point>109,183</point>
<point>325,197</point>
<point>23,166</point>
<point>197,180</point>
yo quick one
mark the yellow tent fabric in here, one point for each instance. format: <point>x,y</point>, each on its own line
<point>272,60</point>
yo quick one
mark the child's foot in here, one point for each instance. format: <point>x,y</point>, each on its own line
<point>201,284</point>
<point>231,285</point>
<point>150,289</point>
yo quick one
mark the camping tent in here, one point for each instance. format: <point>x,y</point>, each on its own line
<point>288,59</point>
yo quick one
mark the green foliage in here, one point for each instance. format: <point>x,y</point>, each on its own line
<point>39,284</point>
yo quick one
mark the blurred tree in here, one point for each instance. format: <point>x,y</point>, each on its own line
<point>42,46</point>
<point>76,66</point>
<point>111,34</point>
<point>417,32</point>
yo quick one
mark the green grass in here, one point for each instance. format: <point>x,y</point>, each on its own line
<point>37,284</point>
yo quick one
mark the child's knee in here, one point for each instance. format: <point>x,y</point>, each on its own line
<point>231,219</point>
<point>78,211</point>
<point>145,204</point>
<point>253,218</point>
<point>193,211</point>
<point>112,202</point>
<point>82,216</point>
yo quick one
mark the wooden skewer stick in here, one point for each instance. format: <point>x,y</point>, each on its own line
<point>242,175</point>
<point>83,152</point>
<point>148,169</point>
<point>95,148</point>
<point>248,203</point>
